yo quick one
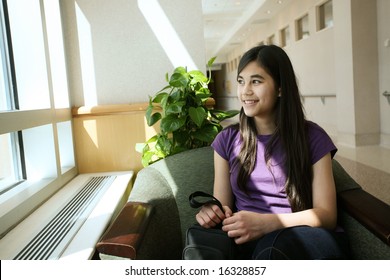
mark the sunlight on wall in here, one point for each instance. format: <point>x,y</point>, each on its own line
<point>166,34</point>
<point>86,58</point>
<point>91,129</point>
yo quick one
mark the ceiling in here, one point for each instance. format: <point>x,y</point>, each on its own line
<point>228,22</point>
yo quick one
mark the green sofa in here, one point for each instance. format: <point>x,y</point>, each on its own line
<point>160,193</point>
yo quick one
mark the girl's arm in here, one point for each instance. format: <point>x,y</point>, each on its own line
<point>324,211</point>
<point>245,226</point>
<point>211,215</point>
<point>222,188</point>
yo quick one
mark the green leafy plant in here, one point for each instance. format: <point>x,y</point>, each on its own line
<point>185,120</point>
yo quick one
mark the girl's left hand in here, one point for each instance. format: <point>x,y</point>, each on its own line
<point>245,226</point>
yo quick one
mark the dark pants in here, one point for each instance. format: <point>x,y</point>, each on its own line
<point>298,243</point>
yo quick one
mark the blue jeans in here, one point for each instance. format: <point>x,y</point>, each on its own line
<point>298,243</point>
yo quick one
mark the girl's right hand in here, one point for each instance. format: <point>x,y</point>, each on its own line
<point>210,216</point>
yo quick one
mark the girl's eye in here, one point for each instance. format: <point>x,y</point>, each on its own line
<point>256,81</point>
<point>240,81</point>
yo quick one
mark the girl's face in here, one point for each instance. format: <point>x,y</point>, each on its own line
<point>256,91</point>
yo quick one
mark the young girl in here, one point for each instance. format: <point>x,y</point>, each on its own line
<point>273,170</point>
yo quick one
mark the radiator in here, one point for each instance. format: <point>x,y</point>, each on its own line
<point>70,223</point>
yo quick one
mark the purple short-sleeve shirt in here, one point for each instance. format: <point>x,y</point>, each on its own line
<point>265,184</point>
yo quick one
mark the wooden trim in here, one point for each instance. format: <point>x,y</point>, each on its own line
<point>368,210</point>
<point>101,110</point>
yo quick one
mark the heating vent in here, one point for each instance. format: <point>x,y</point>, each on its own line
<point>64,225</point>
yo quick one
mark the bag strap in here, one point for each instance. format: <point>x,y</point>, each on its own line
<point>196,204</point>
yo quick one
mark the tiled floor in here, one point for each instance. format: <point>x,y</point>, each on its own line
<point>369,166</point>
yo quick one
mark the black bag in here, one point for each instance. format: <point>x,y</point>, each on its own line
<point>207,244</point>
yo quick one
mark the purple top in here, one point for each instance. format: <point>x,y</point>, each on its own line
<point>266,188</point>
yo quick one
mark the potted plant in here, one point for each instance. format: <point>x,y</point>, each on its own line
<point>185,120</point>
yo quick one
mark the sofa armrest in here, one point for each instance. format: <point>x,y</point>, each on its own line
<point>124,235</point>
<point>368,210</point>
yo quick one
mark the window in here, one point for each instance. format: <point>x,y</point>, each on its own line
<point>325,15</point>
<point>271,40</point>
<point>36,146</point>
<point>10,165</point>
<point>302,25</point>
<point>285,37</point>
<point>26,26</point>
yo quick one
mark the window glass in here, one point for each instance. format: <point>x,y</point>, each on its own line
<point>9,164</point>
<point>325,13</point>
<point>271,40</point>
<point>29,54</point>
<point>285,36</point>
<point>4,93</point>
<point>303,27</point>
<point>38,143</point>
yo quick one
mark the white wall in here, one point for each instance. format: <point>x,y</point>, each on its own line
<point>384,68</point>
<point>118,51</point>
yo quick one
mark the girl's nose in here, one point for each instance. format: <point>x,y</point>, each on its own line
<point>247,90</point>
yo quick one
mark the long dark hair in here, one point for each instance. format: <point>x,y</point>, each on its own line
<point>290,130</point>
